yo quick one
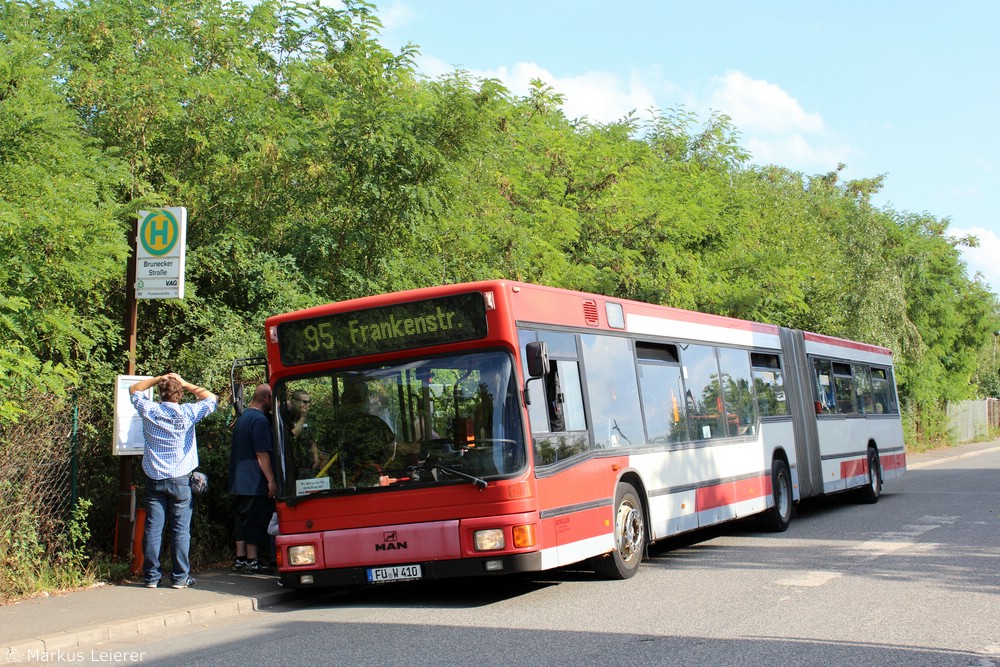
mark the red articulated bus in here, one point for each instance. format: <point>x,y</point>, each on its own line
<point>498,427</point>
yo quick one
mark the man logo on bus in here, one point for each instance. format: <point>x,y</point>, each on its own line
<point>390,542</point>
<point>158,232</point>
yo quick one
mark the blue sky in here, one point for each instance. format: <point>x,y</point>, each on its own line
<point>909,90</point>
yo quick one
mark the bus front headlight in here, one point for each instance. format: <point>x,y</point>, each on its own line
<point>302,555</point>
<point>490,539</point>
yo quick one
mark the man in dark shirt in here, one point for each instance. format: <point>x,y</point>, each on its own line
<point>251,479</point>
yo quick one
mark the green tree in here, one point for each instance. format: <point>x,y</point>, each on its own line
<point>58,223</point>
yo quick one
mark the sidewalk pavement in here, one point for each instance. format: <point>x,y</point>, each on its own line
<point>62,623</point>
<point>65,622</point>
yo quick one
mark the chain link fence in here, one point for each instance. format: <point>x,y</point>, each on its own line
<point>973,420</point>
<point>37,488</point>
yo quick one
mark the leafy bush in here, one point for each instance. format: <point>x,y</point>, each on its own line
<point>28,565</point>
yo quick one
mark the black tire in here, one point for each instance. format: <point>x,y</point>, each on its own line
<point>630,536</point>
<point>871,492</point>
<point>779,515</point>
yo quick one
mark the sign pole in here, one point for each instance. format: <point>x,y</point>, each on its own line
<point>123,527</point>
<point>131,303</point>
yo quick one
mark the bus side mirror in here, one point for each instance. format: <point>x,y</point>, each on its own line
<point>538,359</point>
<point>238,399</point>
<point>537,356</point>
<point>237,380</point>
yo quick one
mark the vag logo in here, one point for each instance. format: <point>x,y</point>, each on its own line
<point>390,542</point>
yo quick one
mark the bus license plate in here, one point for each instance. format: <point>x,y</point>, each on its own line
<point>377,575</point>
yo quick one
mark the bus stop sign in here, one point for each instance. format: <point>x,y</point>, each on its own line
<point>159,256</point>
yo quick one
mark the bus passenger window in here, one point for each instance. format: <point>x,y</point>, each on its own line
<point>882,392</point>
<point>824,387</point>
<point>662,390</point>
<point>572,396</point>
<point>613,390</point>
<point>703,395</point>
<point>769,384</point>
<point>558,424</point>
<point>843,384</point>
<point>554,399</point>
<point>863,385</point>
<point>557,399</point>
<point>537,413</point>
<point>741,413</point>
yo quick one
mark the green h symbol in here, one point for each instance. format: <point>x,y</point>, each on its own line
<point>159,232</point>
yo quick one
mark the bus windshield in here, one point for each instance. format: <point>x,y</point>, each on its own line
<point>444,420</point>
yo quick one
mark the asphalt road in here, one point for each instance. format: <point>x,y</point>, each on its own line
<point>912,580</point>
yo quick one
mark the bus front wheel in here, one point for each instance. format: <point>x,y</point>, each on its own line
<point>630,536</point>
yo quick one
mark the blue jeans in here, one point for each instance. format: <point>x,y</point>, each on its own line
<point>167,498</point>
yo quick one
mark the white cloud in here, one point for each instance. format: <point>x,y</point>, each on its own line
<point>759,106</point>
<point>775,127</point>
<point>394,17</point>
<point>600,96</point>
<point>982,259</point>
<point>432,67</point>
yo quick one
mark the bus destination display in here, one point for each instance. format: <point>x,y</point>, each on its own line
<point>448,319</point>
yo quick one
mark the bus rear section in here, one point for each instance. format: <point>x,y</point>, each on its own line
<point>848,427</point>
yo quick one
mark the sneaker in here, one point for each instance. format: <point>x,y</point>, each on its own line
<point>239,564</point>
<point>152,584</point>
<point>253,566</point>
<point>183,584</point>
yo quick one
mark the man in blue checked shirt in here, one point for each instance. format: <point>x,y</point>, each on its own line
<point>169,457</point>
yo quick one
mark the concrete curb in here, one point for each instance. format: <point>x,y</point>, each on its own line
<point>68,643</point>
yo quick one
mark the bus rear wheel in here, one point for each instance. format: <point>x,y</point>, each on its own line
<point>630,536</point>
<point>779,515</point>
<point>871,491</point>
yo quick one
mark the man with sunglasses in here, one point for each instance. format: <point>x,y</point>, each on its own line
<point>298,435</point>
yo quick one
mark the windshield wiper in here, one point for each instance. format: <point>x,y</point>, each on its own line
<point>324,493</point>
<point>478,481</point>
